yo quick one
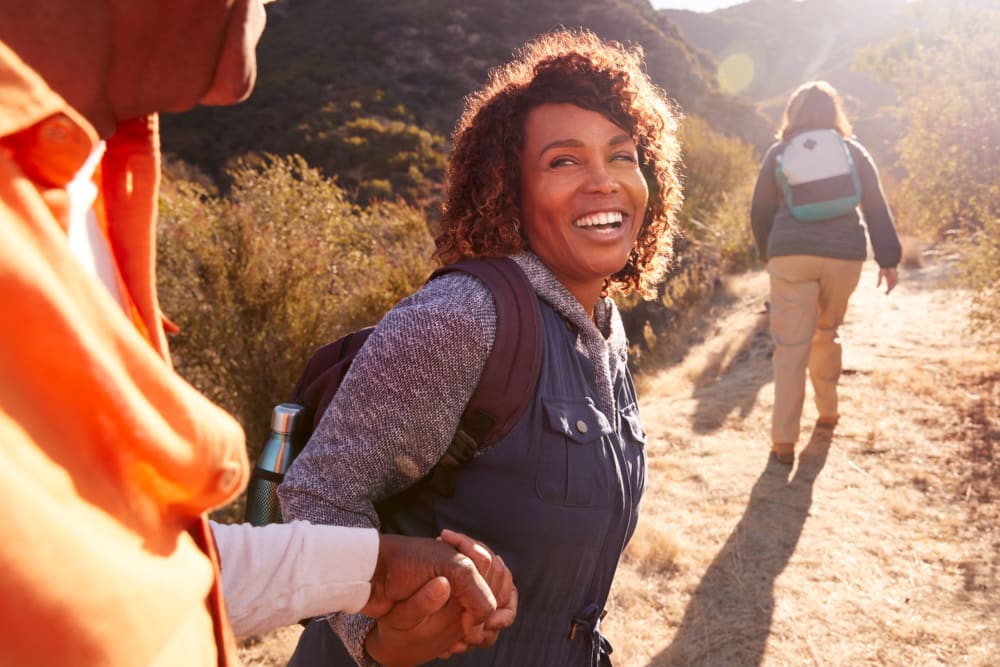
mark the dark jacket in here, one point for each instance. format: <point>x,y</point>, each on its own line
<point>777,233</point>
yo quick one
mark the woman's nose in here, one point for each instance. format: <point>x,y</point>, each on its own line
<point>601,179</point>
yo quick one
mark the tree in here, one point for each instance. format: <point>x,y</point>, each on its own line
<point>375,156</point>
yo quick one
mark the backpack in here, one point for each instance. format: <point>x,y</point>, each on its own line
<point>817,175</point>
<point>506,386</point>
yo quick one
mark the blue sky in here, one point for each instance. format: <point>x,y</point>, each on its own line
<point>695,5</point>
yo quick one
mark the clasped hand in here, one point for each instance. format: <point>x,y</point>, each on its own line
<point>434,598</point>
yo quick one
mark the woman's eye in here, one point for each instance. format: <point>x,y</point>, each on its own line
<point>625,157</point>
<point>562,161</point>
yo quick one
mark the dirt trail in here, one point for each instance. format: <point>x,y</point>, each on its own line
<point>882,545</point>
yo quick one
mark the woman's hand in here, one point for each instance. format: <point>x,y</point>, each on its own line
<point>501,582</point>
<point>891,278</point>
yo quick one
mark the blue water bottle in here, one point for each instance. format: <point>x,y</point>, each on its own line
<point>275,457</point>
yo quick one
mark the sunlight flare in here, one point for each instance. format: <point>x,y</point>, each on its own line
<point>736,72</point>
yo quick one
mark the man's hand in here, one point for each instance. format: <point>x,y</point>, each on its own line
<point>413,580</point>
<point>425,626</point>
<point>421,628</point>
<point>407,563</point>
<point>891,278</point>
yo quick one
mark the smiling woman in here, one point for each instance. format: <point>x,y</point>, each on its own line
<point>566,163</point>
<point>485,206</point>
<point>582,196</point>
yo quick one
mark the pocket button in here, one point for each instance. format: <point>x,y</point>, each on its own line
<point>581,426</point>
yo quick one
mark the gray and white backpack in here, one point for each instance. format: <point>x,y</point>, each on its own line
<point>818,176</point>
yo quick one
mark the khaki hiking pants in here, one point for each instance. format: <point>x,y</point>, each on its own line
<point>809,297</point>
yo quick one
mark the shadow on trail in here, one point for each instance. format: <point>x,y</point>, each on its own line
<point>728,619</point>
<point>721,390</point>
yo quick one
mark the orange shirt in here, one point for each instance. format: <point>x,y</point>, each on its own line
<point>109,458</point>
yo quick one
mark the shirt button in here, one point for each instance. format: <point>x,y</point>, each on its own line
<point>57,130</point>
<point>581,426</point>
<point>229,476</point>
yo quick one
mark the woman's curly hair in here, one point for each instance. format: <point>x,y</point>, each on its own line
<point>481,211</point>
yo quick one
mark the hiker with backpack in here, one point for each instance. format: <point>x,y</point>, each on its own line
<point>807,226</point>
<point>565,163</point>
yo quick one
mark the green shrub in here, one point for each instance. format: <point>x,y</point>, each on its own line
<point>654,325</point>
<point>980,272</point>
<point>719,176</point>
<point>375,157</point>
<point>281,264</point>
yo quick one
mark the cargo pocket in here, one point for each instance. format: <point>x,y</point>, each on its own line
<point>574,466</point>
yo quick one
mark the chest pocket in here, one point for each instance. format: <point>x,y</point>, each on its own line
<point>635,439</point>
<point>575,465</point>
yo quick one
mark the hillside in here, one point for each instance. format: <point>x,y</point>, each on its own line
<point>789,42</point>
<point>324,63</point>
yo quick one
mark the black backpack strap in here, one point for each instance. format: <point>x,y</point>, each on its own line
<point>511,373</point>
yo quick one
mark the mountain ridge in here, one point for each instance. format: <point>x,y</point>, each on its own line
<point>415,60</point>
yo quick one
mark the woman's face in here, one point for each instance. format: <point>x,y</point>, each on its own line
<point>583,197</point>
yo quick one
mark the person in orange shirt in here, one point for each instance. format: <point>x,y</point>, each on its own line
<point>110,459</point>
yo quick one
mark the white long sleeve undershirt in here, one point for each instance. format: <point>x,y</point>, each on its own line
<point>278,574</point>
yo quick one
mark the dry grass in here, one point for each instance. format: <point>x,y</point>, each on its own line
<point>913,252</point>
<point>881,546</point>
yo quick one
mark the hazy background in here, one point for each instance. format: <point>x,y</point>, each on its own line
<point>695,5</point>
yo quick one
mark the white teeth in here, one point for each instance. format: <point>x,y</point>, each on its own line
<point>598,219</point>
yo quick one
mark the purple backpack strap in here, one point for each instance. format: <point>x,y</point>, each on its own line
<point>506,386</point>
<point>511,373</point>
<point>322,376</point>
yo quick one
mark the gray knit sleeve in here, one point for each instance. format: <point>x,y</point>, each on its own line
<point>764,202</point>
<point>878,218</point>
<point>395,413</point>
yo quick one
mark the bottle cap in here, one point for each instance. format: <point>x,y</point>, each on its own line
<point>284,417</point>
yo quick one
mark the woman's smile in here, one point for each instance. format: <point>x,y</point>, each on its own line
<point>583,196</point>
<point>604,220</point>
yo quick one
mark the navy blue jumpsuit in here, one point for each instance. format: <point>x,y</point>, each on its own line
<point>557,498</point>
